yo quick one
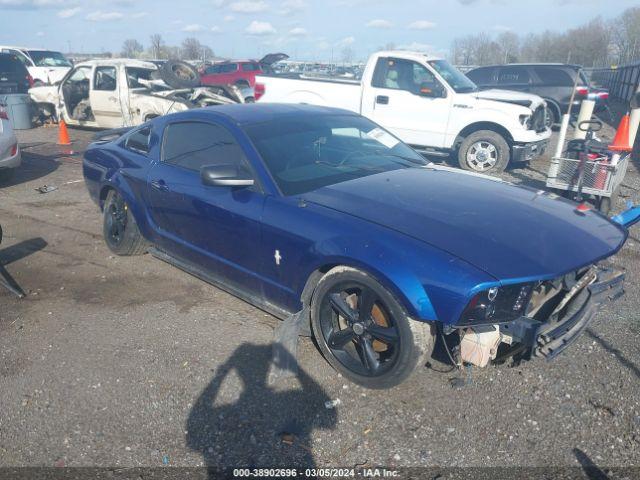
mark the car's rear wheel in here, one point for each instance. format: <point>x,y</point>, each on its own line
<point>120,231</point>
<point>484,151</point>
<point>364,332</point>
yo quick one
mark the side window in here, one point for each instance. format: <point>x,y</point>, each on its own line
<point>228,68</point>
<point>138,141</point>
<point>105,79</point>
<point>80,74</point>
<point>400,74</point>
<point>193,145</point>
<point>481,76</point>
<point>213,69</point>
<point>553,76</point>
<point>21,57</point>
<point>513,75</point>
<point>250,67</point>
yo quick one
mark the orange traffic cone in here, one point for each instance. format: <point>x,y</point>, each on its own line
<point>63,134</point>
<point>621,140</point>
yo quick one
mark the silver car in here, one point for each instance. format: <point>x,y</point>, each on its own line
<point>10,157</point>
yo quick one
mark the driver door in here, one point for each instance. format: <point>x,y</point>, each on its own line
<point>105,98</point>
<point>396,100</point>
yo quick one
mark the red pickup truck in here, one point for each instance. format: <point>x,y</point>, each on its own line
<point>238,72</point>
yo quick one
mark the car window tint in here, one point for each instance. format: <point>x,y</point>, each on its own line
<point>20,56</point>
<point>515,75</point>
<point>138,141</point>
<point>228,68</point>
<point>250,67</point>
<point>553,76</point>
<point>481,76</point>
<point>193,145</point>
<point>213,69</point>
<point>11,64</point>
<point>105,79</point>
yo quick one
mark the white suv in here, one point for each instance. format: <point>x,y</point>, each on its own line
<point>45,66</point>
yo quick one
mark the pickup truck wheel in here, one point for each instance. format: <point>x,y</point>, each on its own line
<point>484,151</point>
<point>364,332</point>
<point>120,231</point>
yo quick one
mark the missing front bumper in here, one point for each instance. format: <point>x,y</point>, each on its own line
<point>528,151</point>
<point>536,339</point>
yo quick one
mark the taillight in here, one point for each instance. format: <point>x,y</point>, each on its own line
<point>584,91</point>
<point>258,90</point>
<point>603,95</point>
<point>14,150</point>
<point>30,80</point>
<point>3,114</point>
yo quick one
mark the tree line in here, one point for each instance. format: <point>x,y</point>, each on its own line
<point>598,43</point>
<point>190,49</point>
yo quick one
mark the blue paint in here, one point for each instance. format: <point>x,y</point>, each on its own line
<point>433,237</point>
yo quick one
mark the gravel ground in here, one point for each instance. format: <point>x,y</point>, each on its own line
<point>129,362</point>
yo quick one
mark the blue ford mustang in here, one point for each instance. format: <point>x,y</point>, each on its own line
<point>295,207</point>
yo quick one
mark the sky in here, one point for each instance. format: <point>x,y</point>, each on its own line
<point>305,29</point>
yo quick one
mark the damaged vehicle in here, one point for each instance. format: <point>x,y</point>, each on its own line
<point>116,93</point>
<point>319,214</point>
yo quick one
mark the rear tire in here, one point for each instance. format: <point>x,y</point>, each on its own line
<point>120,230</point>
<point>484,151</point>
<point>383,346</point>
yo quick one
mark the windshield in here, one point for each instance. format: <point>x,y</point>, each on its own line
<point>46,58</point>
<point>304,154</point>
<point>454,77</point>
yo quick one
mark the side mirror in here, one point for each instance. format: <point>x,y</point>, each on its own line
<point>224,176</point>
<point>432,90</point>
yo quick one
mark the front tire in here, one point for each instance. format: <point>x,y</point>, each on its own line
<point>364,332</point>
<point>120,231</point>
<point>484,151</point>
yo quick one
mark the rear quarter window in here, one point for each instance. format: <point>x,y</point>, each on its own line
<point>513,75</point>
<point>138,141</point>
<point>556,77</point>
<point>11,64</point>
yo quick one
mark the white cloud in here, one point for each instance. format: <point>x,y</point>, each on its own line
<point>260,28</point>
<point>289,7</point>
<point>346,42</point>
<point>378,23</point>
<point>192,28</point>
<point>229,18</point>
<point>100,16</point>
<point>69,12</point>
<point>421,25</point>
<point>139,14</point>
<point>416,47</point>
<point>249,6</point>
<point>215,29</point>
<point>298,32</point>
<point>40,34</point>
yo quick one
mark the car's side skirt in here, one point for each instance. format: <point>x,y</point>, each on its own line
<point>220,283</point>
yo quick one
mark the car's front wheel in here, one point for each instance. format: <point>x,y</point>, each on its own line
<point>120,231</point>
<point>484,151</point>
<point>364,332</point>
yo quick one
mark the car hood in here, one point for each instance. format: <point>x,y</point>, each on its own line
<point>508,96</point>
<point>510,232</point>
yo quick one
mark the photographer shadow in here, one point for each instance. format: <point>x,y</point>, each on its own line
<point>267,426</point>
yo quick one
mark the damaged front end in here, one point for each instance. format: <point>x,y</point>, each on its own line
<point>550,315</point>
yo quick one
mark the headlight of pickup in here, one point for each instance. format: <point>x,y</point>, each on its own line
<point>497,305</point>
<point>525,121</point>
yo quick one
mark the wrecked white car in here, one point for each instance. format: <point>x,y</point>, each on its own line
<point>115,93</point>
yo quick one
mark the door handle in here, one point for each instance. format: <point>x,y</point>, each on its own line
<point>113,99</point>
<point>382,100</point>
<point>160,185</point>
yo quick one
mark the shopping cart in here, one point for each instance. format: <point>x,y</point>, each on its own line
<point>589,171</point>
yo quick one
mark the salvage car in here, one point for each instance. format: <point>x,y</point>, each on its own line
<point>113,93</point>
<point>430,105</point>
<point>45,66</point>
<point>299,208</point>
<point>241,73</point>
<point>10,157</point>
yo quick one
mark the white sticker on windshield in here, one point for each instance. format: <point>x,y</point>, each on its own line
<point>383,137</point>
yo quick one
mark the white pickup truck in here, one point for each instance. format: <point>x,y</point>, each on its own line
<point>430,105</point>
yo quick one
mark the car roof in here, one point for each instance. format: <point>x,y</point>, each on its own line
<point>252,113</point>
<point>114,62</point>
